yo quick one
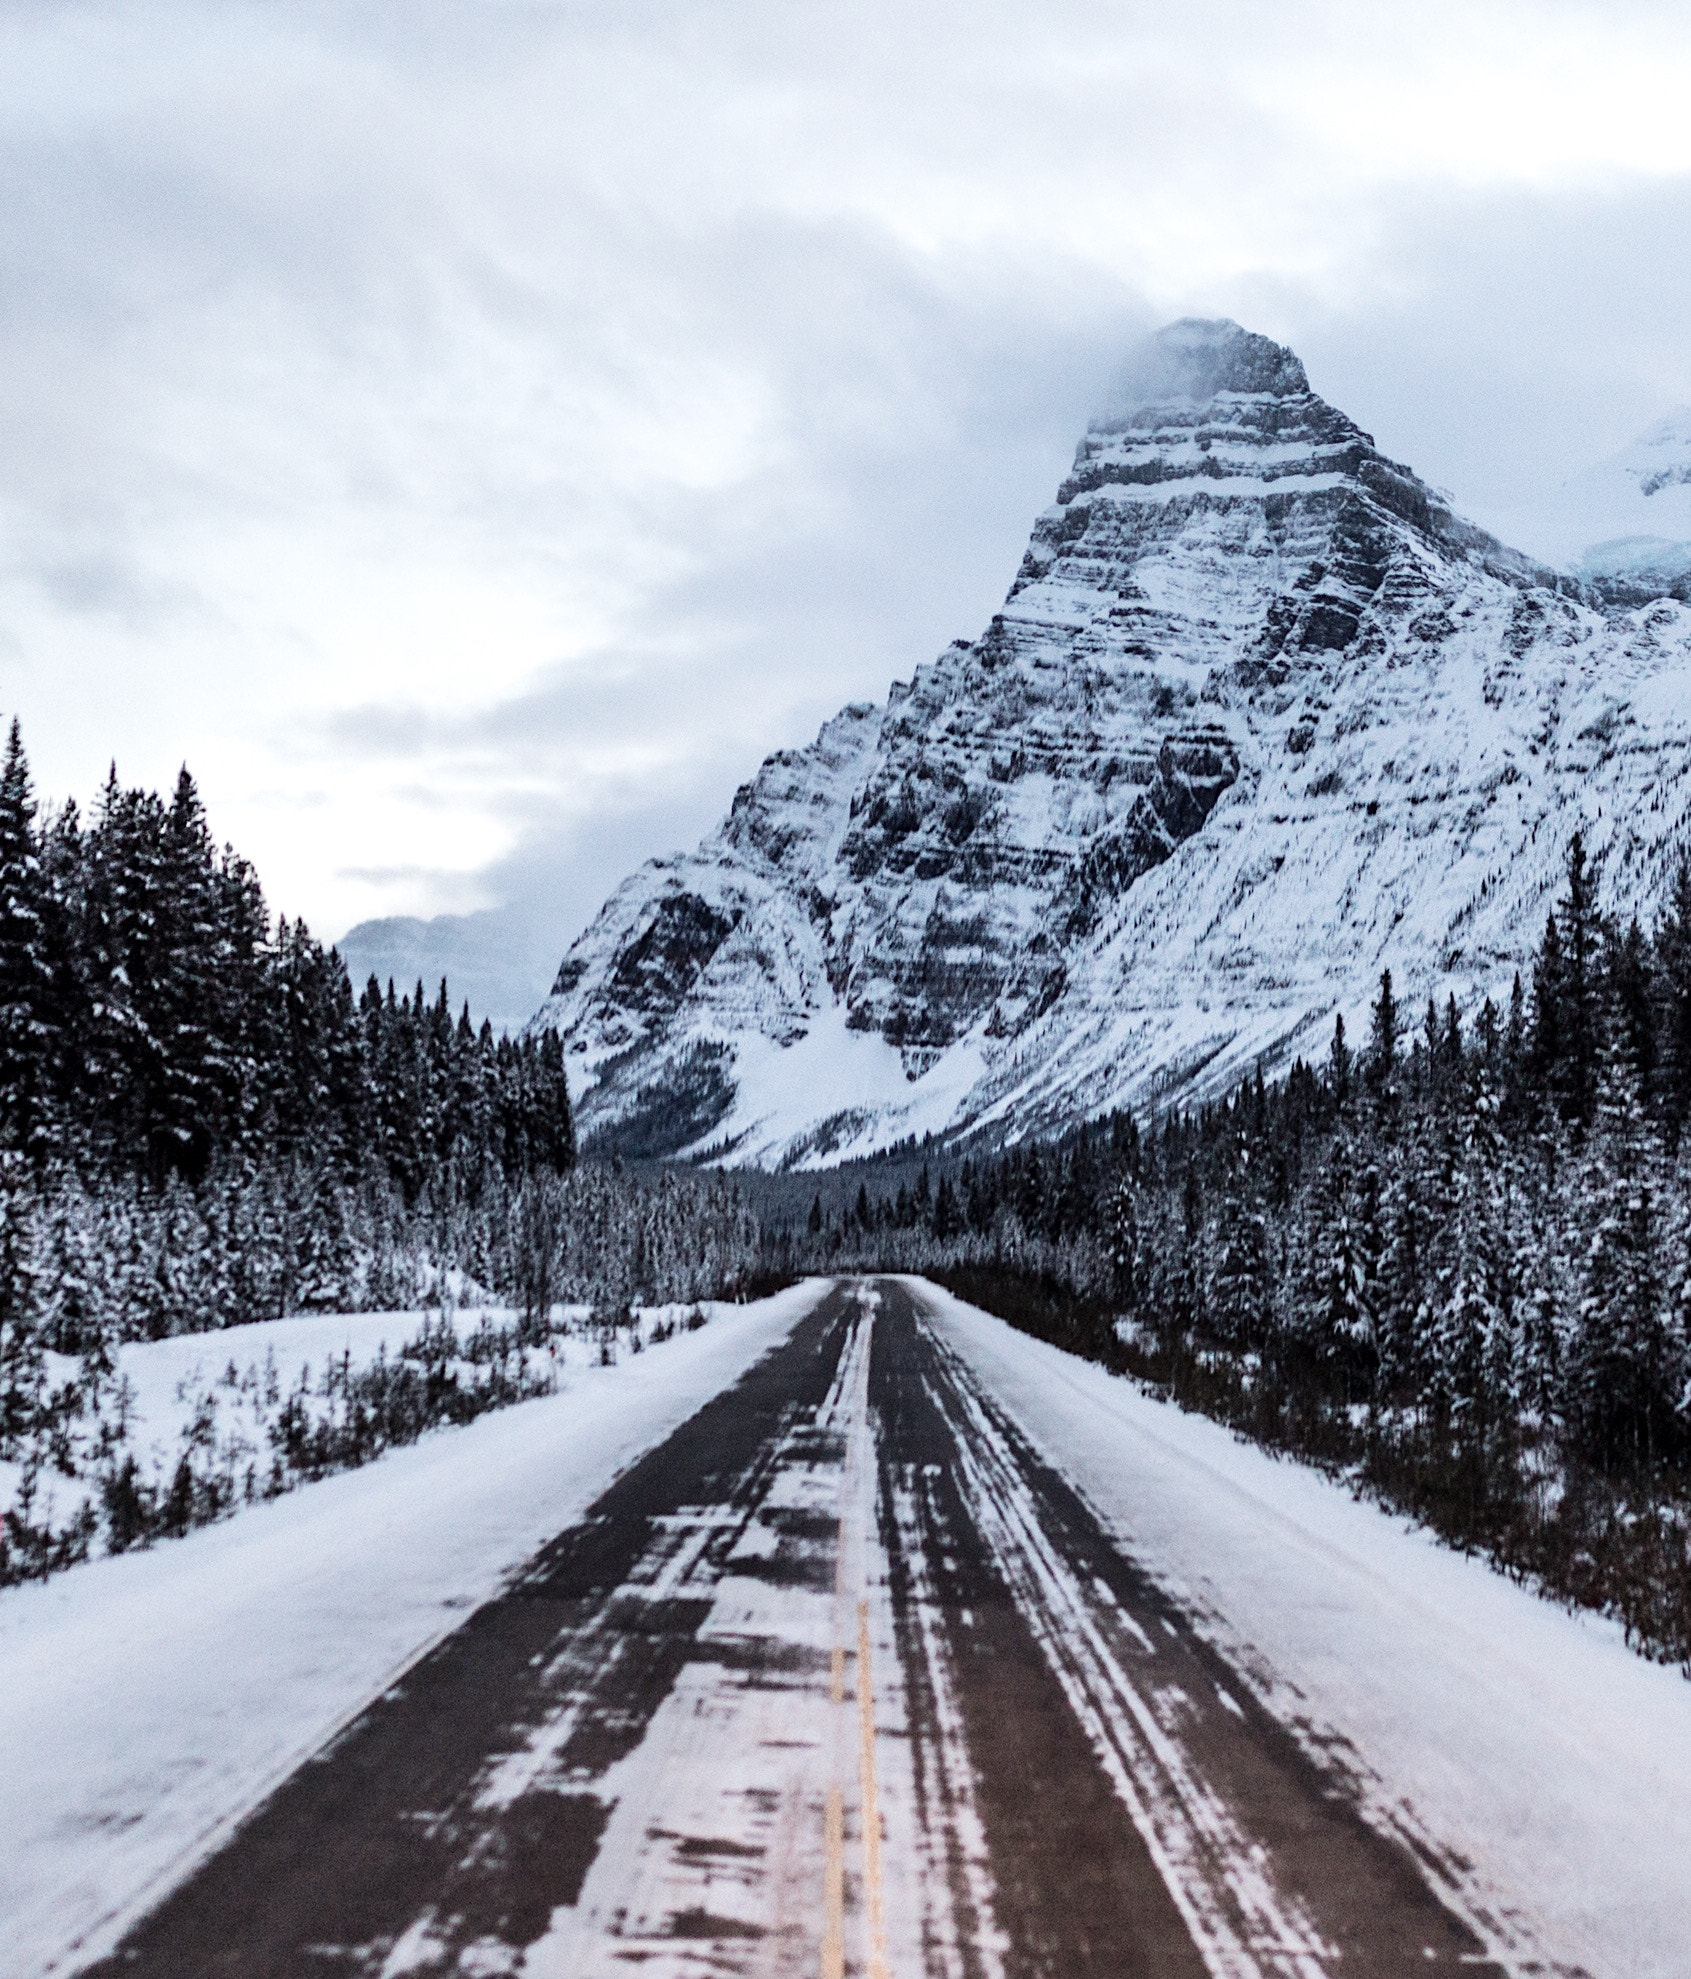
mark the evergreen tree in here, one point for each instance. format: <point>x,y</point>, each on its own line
<point>29,1031</point>
<point>1338,1065</point>
<point>1121,1225</point>
<point>1625,1369</point>
<point>1382,1038</point>
<point>1671,973</point>
<point>1549,987</point>
<point>23,1374</point>
<point>1339,1326</point>
<point>1241,1291</point>
<point>1581,934</point>
<point>1630,1012</point>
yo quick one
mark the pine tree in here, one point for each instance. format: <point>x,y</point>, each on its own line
<point>23,1373</point>
<point>1630,1007</point>
<point>1581,935</point>
<point>74,1311</point>
<point>1549,993</point>
<point>1341,1277</point>
<point>29,1030</point>
<point>1121,1231</point>
<point>1415,1208</point>
<point>1433,1055</point>
<point>1241,1293</point>
<point>1339,1065</point>
<point>1672,976</point>
<point>1453,1054</point>
<point>1382,1038</point>
<point>1469,1346</point>
<point>1625,1369</point>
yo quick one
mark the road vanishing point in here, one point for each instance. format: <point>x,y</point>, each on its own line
<point>843,1678</point>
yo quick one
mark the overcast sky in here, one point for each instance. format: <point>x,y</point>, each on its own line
<point>472,435</point>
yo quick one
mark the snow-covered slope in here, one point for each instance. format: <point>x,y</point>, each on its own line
<point>1625,524</point>
<point>1260,716</point>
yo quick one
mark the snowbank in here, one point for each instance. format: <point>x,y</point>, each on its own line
<point>1501,1729</point>
<point>216,1400</point>
<point>232,1369</point>
<point>148,1700</point>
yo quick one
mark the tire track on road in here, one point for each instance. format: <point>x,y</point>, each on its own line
<point>1270,1868</point>
<point>844,1680</point>
<point>458,1813</point>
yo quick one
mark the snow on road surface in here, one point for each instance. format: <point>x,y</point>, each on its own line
<point>147,1701</point>
<point>1491,1725</point>
<point>919,1649</point>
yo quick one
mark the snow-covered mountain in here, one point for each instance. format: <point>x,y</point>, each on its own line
<point>1625,525</point>
<point>1259,717</point>
<point>494,960</point>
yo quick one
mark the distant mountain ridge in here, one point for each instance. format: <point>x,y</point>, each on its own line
<point>491,960</point>
<point>1260,715</point>
<point>1628,520</point>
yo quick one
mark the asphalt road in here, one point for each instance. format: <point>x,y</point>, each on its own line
<point>843,1678</point>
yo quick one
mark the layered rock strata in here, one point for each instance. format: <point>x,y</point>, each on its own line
<point>1259,717</point>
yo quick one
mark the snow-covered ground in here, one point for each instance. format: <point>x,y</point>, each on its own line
<point>148,1700</point>
<point>216,1397</point>
<point>235,1369</point>
<point>1471,1713</point>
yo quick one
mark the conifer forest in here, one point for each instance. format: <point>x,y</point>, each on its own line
<point>203,1126</point>
<point>1452,1261</point>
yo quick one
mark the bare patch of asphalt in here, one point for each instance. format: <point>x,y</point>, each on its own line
<point>1069,1665</point>
<point>388,1824</point>
<point>1138,1811</point>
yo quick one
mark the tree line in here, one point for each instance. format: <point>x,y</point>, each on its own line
<point>153,1023</point>
<point>1453,1259</point>
<point>201,1126</point>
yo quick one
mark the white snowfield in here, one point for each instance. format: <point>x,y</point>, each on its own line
<point>146,1702</point>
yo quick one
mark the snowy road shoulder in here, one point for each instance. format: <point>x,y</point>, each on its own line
<point>146,1701</point>
<point>1530,1742</point>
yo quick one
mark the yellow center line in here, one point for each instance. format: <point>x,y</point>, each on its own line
<point>833,1820</point>
<point>833,1889</point>
<point>846,1568</point>
<point>871,1801</point>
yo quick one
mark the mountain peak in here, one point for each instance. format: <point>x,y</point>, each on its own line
<point>1259,717</point>
<point>1199,358</point>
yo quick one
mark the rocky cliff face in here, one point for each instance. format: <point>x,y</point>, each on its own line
<point>1260,716</point>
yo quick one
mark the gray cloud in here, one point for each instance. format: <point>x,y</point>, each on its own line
<point>1521,336</point>
<point>479,432</point>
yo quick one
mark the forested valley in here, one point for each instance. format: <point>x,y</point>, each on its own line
<point>1452,1261</point>
<point>202,1126</point>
